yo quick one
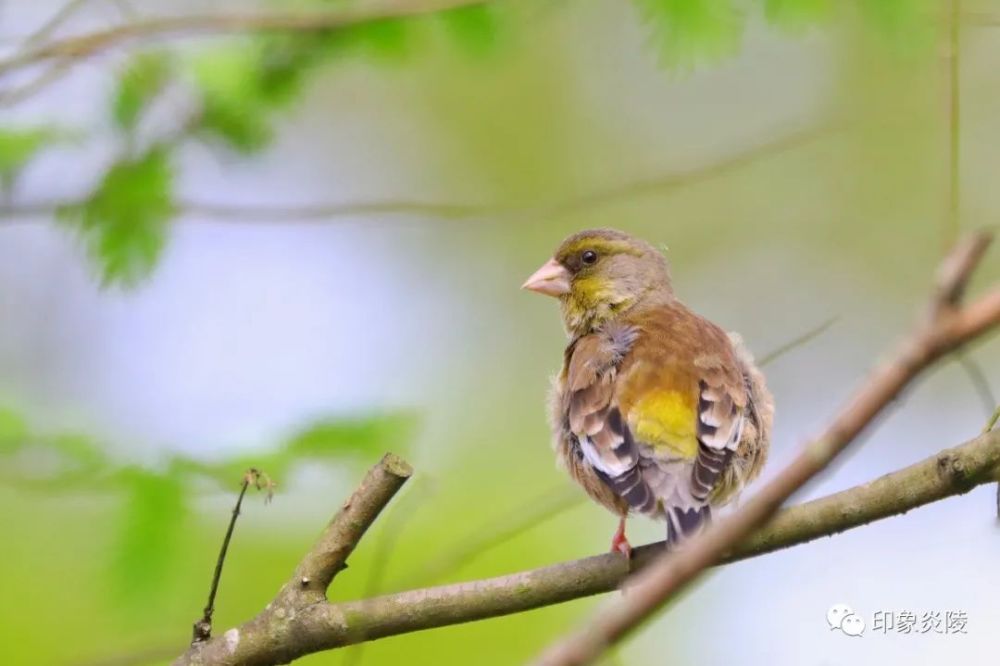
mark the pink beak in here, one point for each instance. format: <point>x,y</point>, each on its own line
<point>551,279</point>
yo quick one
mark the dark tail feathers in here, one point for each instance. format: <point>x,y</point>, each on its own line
<point>683,524</point>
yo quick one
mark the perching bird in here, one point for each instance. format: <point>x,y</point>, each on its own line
<point>656,410</point>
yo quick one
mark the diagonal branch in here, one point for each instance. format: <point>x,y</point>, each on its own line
<point>307,586</point>
<point>945,327</point>
<point>324,626</point>
<point>300,621</point>
<point>86,45</point>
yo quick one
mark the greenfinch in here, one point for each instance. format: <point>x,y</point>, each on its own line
<point>656,410</point>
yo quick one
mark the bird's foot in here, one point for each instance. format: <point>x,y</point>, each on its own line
<point>619,543</point>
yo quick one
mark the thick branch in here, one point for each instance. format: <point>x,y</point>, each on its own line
<point>274,627</point>
<point>323,626</point>
<point>300,621</point>
<point>946,327</point>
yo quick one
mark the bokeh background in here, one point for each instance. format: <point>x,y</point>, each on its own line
<point>212,306</point>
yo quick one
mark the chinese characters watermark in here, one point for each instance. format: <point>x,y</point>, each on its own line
<point>843,618</point>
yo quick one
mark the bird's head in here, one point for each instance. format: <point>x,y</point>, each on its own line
<point>599,274</point>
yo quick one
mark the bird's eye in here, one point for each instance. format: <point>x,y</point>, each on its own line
<point>589,257</point>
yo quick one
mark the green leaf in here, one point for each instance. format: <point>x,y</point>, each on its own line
<point>232,108</point>
<point>904,25</point>
<point>796,15</point>
<point>370,435</point>
<point>688,32</point>
<point>20,146</point>
<point>13,430</point>
<point>143,79</point>
<point>387,40</point>
<point>475,28</point>
<point>124,221</point>
<point>150,528</point>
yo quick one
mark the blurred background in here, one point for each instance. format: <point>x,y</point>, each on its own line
<point>298,251</point>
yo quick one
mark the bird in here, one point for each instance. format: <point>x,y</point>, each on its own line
<point>656,410</point>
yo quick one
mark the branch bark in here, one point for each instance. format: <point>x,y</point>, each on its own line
<point>945,327</point>
<point>300,621</point>
<point>272,632</point>
<point>322,626</point>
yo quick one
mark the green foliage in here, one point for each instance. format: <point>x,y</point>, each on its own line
<point>388,41</point>
<point>475,29</point>
<point>143,79</point>
<point>334,439</point>
<point>233,108</point>
<point>18,147</point>
<point>13,430</point>
<point>150,527</point>
<point>124,221</point>
<point>903,25</point>
<point>795,15</point>
<point>688,32</point>
<point>369,436</point>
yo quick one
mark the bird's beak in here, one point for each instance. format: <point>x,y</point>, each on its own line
<point>551,279</point>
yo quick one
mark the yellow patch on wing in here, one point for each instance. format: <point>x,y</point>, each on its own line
<point>666,421</point>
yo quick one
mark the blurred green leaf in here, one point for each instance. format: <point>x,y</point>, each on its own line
<point>369,435</point>
<point>20,146</point>
<point>232,109</point>
<point>796,15</point>
<point>124,221</point>
<point>904,25</point>
<point>475,28</point>
<point>13,430</point>
<point>387,41</point>
<point>143,79</point>
<point>688,32</point>
<point>149,532</point>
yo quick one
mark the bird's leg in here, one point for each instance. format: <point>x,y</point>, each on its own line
<point>619,543</point>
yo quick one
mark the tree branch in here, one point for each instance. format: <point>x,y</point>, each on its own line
<point>300,621</point>
<point>328,212</point>
<point>274,626</point>
<point>323,626</point>
<point>351,14</point>
<point>945,327</point>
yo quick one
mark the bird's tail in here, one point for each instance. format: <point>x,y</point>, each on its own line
<point>682,524</point>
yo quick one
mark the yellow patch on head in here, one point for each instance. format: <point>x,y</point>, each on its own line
<point>603,246</point>
<point>665,420</point>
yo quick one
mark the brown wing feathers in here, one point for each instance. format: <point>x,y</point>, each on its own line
<point>720,422</point>
<point>596,422</point>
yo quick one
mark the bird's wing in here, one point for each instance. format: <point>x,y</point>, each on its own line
<point>683,397</point>
<point>593,415</point>
<point>719,425</point>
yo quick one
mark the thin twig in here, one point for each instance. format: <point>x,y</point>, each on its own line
<point>203,628</point>
<point>979,382</point>
<point>307,586</point>
<point>946,327</point>
<point>547,506</point>
<point>322,626</point>
<point>266,214</point>
<point>794,344</point>
<point>86,45</point>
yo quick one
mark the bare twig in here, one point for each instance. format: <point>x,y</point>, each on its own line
<point>544,507</point>
<point>992,420</point>
<point>263,213</point>
<point>271,632</point>
<point>801,340</point>
<point>946,327</point>
<point>322,626</point>
<point>203,627</point>
<point>86,45</point>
